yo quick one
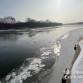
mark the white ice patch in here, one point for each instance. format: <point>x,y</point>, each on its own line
<point>7,77</point>
<point>57,49</point>
<point>66,35</point>
<point>45,53</point>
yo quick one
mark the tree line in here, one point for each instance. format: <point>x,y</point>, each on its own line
<point>12,23</point>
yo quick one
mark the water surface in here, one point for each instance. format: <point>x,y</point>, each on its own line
<point>17,45</point>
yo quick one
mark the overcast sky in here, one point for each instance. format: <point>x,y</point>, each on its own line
<point>64,11</point>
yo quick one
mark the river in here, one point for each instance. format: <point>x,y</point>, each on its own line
<point>21,49</point>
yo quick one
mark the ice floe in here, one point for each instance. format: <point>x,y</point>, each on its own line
<point>34,67</point>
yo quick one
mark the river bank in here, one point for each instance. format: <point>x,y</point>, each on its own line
<point>67,55</point>
<point>77,68</point>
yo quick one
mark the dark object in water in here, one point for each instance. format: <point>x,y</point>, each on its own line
<point>75,47</point>
<point>66,75</point>
<point>63,79</point>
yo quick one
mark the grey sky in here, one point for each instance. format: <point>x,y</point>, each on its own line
<point>56,10</point>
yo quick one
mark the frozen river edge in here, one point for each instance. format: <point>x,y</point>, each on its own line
<point>66,55</point>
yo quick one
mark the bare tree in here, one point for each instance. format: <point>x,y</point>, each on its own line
<point>8,20</point>
<point>30,20</point>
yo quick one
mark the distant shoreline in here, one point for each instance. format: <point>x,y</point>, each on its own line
<point>23,25</point>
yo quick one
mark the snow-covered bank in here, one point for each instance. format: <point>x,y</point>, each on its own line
<point>66,54</point>
<point>77,69</point>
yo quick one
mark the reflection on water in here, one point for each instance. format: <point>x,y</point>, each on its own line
<point>16,46</point>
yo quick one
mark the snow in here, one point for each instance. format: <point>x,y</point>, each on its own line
<point>35,65</point>
<point>77,70</point>
<point>67,71</point>
<point>57,49</point>
<point>46,53</point>
<point>7,77</point>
